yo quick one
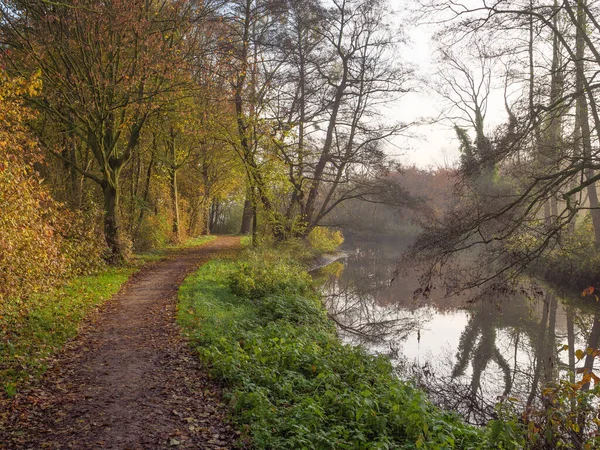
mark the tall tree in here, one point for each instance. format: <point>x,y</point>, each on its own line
<point>327,119</point>
<point>543,171</point>
<point>106,68</point>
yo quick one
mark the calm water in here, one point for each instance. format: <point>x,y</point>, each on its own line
<point>467,351</point>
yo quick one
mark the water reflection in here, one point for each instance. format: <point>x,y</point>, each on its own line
<point>467,354</point>
<point>357,303</point>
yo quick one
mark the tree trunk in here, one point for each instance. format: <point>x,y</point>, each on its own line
<point>214,215</point>
<point>173,181</point>
<point>174,196</point>
<point>313,192</point>
<point>247,214</point>
<point>582,118</point>
<point>145,195</point>
<point>111,223</point>
<point>206,216</point>
<point>254,224</point>
<point>76,194</point>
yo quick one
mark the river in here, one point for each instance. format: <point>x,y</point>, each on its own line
<point>467,351</point>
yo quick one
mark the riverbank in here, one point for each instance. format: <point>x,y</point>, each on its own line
<point>261,328</point>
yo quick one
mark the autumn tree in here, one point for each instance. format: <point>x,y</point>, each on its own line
<point>107,68</point>
<point>41,242</point>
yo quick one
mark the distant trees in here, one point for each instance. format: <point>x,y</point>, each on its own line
<point>412,194</point>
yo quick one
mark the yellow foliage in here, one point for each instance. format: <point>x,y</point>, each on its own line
<point>39,240</point>
<point>325,240</point>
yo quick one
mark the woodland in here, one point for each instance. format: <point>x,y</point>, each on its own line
<point>131,125</point>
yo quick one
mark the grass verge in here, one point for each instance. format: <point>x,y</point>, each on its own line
<point>160,253</point>
<point>290,382</point>
<point>33,330</point>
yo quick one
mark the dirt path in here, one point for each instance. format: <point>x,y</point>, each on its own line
<point>129,381</point>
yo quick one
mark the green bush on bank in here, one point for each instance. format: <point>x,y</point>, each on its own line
<point>325,240</point>
<point>291,383</point>
<point>576,262</point>
<point>263,274</point>
<point>573,263</point>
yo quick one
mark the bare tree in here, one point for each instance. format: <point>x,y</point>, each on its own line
<point>542,174</point>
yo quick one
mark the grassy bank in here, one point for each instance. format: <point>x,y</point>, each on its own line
<point>32,330</point>
<point>262,330</point>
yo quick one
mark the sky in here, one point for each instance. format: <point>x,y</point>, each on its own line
<point>434,144</point>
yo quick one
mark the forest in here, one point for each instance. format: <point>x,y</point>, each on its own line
<point>213,201</point>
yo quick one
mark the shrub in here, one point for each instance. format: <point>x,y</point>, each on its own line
<point>297,250</point>
<point>576,262</point>
<point>262,274</point>
<point>325,240</point>
<point>155,232</point>
<point>41,242</point>
<point>83,245</point>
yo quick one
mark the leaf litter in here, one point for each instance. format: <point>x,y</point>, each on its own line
<point>129,380</point>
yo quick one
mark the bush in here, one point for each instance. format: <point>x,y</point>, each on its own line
<point>155,232</point>
<point>41,242</point>
<point>83,245</point>
<point>262,274</point>
<point>576,262</point>
<point>296,250</point>
<point>325,240</point>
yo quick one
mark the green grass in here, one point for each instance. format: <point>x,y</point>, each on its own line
<point>291,383</point>
<point>200,240</point>
<point>33,330</point>
<point>160,253</point>
<point>246,241</point>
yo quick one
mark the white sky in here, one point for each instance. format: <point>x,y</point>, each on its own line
<point>435,144</point>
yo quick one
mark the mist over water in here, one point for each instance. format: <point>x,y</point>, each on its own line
<point>468,351</point>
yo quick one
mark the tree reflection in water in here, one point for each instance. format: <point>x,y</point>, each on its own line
<point>354,304</point>
<point>507,348</point>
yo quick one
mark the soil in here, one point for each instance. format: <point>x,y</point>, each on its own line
<point>129,380</point>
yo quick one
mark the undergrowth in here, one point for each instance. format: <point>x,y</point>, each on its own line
<point>574,263</point>
<point>290,381</point>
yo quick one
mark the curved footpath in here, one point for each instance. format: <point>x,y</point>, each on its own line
<point>129,380</point>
